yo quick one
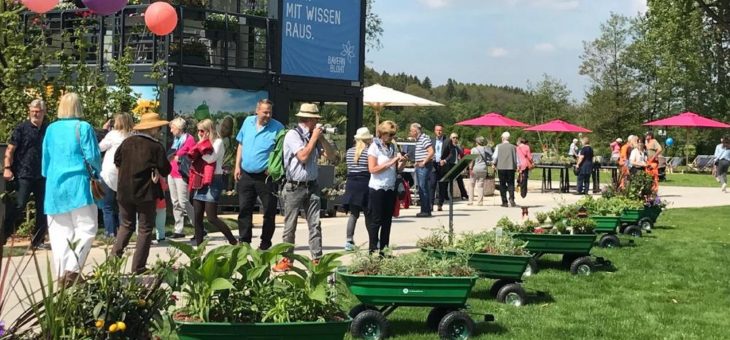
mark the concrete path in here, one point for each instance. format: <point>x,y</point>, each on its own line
<point>406,229</point>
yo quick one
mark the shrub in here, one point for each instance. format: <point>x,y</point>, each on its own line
<point>411,264</point>
<point>541,217</point>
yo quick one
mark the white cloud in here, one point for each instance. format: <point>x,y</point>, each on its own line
<point>638,6</point>
<point>497,52</point>
<point>544,47</point>
<point>436,3</point>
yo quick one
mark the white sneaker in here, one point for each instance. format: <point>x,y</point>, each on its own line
<point>724,187</point>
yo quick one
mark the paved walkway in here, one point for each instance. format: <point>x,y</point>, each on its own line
<point>406,229</point>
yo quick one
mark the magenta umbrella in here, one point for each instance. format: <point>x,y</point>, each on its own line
<point>494,119</point>
<point>557,126</point>
<point>688,120</point>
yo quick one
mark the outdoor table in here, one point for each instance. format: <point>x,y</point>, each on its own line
<point>597,175</point>
<point>547,177</point>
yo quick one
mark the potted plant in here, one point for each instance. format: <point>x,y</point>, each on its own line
<point>221,27</point>
<point>194,52</point>
<point>229,293</point>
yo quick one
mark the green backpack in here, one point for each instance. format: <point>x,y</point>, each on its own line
<point>276,157</point>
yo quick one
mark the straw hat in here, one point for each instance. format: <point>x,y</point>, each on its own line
<point>619,140</point>
<point>308,110</point>
<point>150,121</point>
<point>363,133</point>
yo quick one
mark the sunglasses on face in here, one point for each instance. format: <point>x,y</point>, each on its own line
<point>201,131</point>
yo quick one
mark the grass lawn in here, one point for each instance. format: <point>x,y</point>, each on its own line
<point>675,179</point>
<point>670,285</point>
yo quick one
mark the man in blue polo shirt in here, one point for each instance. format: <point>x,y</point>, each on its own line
<point>256,139</point>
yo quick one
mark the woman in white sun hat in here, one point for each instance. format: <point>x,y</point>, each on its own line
<point>356,187</point>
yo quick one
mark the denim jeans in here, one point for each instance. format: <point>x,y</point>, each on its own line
<point>424,190</point>
<point>14,210</point>
<point>109,210</point>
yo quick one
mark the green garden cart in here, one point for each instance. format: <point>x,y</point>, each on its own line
<point>608,226</point>
<point>506,269</point>
<point>381,295</point>
<point>634,221</point>
<point>575,249</point>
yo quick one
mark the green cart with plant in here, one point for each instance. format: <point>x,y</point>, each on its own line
<point>506,269</point>
<point>440,283</point>
<point>501,258</point>
<point>608,226</point>
<point>575,250</point>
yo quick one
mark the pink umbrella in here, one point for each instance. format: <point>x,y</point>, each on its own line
<point>492,119</point>
<point>688,119</point>
<point>557,126</point>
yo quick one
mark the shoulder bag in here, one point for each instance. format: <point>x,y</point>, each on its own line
<point>96,189</point>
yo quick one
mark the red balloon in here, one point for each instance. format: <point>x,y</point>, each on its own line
<point>40,6</point>
<point>161,18</point>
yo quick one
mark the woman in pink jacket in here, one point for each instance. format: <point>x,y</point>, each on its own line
<point>524,155</point>
<point>179,195</point>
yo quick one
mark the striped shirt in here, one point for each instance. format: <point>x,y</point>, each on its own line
<point>422,144</point>
<point>361,165</point>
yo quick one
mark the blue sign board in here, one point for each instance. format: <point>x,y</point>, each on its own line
<point>321,38</point>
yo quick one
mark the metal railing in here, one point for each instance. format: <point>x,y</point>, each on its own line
<point>203,38</point>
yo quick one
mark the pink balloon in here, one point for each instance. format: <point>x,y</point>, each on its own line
<point>105,7</point>
<point>40,6</point>
<point>161,18</point>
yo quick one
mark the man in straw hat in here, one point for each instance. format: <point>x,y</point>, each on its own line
<point>302,147</point>
<point>142,161</point>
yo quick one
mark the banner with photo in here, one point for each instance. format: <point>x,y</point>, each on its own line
<point>214,102</point>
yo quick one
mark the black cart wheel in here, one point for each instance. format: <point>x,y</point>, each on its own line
<point>435,316</point>
<point>646,224</point>
<point>456,325</point>
<point>633,230</point>
<point>496,286</point>
<point>370,325</point>
<point>609,241</point>
<point>354,311</point>
<point>582,266</point>
<point>512,294</point>
<point>532,268</point>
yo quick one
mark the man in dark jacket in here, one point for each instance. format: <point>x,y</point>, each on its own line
<point>142,163</point>
<point>22,168</point>
<point>444,157</point>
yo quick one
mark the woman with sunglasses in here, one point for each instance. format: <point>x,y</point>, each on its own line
<point>383,160</point>
<point>206,180</point>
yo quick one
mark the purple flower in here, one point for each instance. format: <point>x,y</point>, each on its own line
<point>2,328</point>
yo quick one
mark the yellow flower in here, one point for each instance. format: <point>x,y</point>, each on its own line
<point>113,328</point>
<point>99,324</point>
<point>121,326</point>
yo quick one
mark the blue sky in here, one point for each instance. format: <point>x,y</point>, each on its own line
<point>501,42</point>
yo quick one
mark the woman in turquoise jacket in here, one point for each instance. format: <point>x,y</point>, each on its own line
<point>68,146</point>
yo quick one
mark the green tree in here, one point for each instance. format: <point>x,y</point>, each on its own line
<point>373,28</point>
<point>614,91</point>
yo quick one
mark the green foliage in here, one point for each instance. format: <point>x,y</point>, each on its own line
<point>506,224</point>
<point>121,98</point>
<point>87,310</point>
<point>219,21</point>
<point>234,284</point>
<point>582,225</point>
<point>488,242</point>
<point>411,264</point>
<point>613,206</point>
<point>541,217</point>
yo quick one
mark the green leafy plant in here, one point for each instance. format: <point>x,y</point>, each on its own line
<point>506,224</point>
<point>104,305</point>
<point>222,22</point>
<point>411,264</point>
<point>582,225</point>
<point>541,217</point>
<point>234,284</point>
<point>529,226</point>
<point>488,242</point>
<point>437,239</point>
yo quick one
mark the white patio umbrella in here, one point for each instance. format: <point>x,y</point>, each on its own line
<point>378,97</point>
